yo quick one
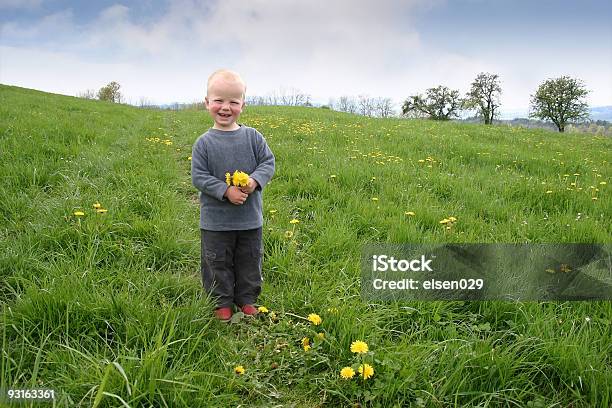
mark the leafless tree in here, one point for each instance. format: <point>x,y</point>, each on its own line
<point>366,105</point>
<point>347,104</point>
<point>87,94</point>
<point>383,107</point>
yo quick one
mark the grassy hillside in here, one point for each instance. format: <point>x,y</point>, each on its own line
<point>106,308</point>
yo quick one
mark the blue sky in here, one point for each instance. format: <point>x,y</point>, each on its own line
<point>163,51</point>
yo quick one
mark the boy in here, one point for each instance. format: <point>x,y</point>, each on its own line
<point>231,218</point>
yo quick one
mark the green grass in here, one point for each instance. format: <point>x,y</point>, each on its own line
<point>108,310</point>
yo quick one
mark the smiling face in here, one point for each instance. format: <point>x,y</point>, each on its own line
<point>224,101</point>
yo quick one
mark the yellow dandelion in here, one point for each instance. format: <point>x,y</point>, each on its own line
<point>273,211</point>
<point>239,370</point>
<point>307,347</point>
<point>594,198</point>
<point>366,371</point>
<point>101,210</point>
<point>549,192</point>
<point>347,373</point>
<point>262,309</point>
<point>452,219</point>
<point>360,347</point>
<point>228,179</point>
<point>314,319</point>
<point>79,213</point>
<point>240,179</point>
<point>332,176</point>
<point>410,213</point>
<point>305,342</point>
<point>603,183</point>
<point>189,158</point>
<point>294,221</point>
<point>97,205</point>
<point>374,198</point>
<point>445,221</point>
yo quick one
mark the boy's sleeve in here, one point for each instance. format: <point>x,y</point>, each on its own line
<point>201,177</point>
<point>266,162</point>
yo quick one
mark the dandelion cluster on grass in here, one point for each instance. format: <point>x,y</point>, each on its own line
<point>306,344</point>
<point>366,371</point>
<point>448,223</point>
<point>347,373</point>
<point>359,347</point>
<point>314,319</point>
<point>154,140</point>
<point>98,208</point>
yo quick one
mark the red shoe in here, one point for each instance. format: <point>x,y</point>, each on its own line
<point>249,310</point>
<point>223,313</point>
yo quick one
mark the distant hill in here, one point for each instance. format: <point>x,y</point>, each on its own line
<point>601,113</point>
<point>596,113</point>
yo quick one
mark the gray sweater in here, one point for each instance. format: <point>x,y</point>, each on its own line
<point>217,152</point>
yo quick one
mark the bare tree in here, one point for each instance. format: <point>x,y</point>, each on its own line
<point>383,107</point>
<point>293,97</point>
<point>144,102</point>
<point>273,98</point>
<point>87,94</point>
<point>255,100</point>
<point>332,104</point>
<point>347,104</point>
<point>366,105</point>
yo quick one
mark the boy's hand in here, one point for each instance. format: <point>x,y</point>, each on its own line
<point>235,195</point>
<point>252,185</point>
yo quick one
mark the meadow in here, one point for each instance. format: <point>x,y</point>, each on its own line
<point>99,261</point>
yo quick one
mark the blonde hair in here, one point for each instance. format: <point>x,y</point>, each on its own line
<point>227,75</point>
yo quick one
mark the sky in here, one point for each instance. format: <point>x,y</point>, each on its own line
<point>163,50</point>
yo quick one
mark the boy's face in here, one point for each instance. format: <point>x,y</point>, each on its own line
<point>224,101</point>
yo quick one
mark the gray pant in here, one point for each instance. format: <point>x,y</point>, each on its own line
<point>231,265</point>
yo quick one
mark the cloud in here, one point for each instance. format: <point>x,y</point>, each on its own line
<point>20,4</point>
<point>50,30</point>
<point>325,48</point>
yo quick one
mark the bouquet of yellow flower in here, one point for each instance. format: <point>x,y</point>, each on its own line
<point>239,179</point>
